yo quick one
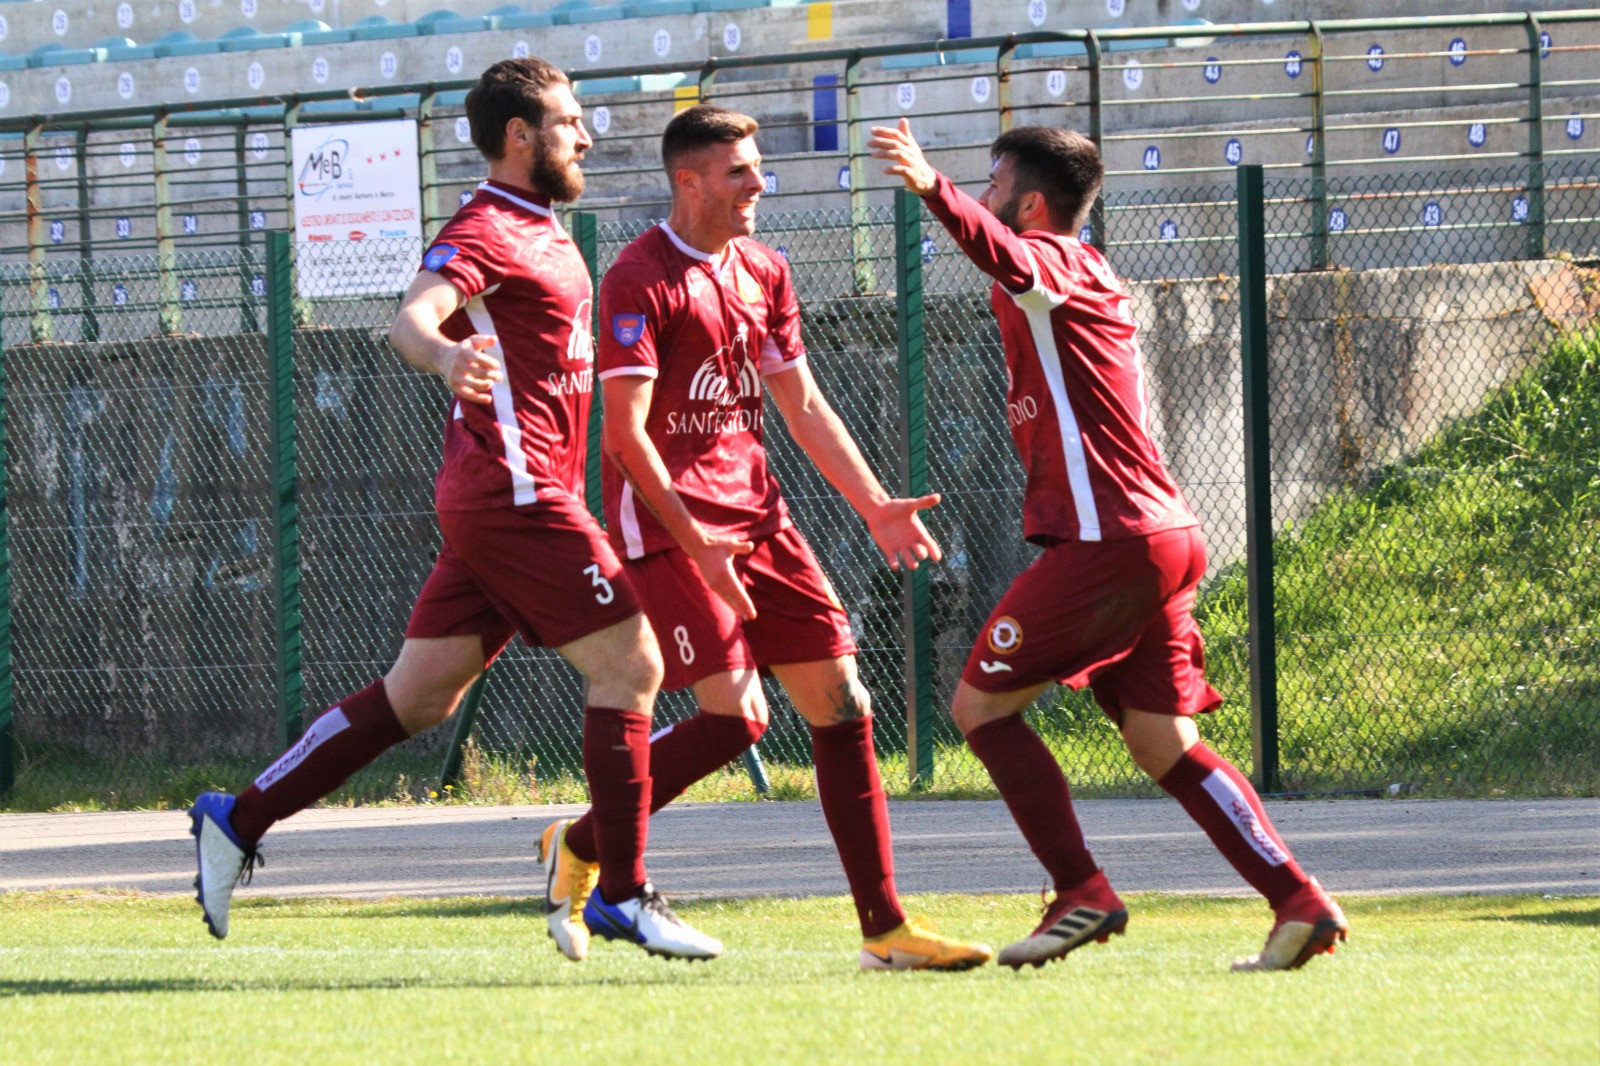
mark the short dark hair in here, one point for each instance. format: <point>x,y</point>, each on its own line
<point>512,88</point>
<point>1062,165</point>
<point>701,125</point>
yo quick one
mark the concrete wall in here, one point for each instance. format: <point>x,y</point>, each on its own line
<point>140,506</point>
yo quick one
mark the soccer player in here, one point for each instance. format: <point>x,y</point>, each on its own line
<point>697,322</point>
<point>501,312</point>
<point>1109,603</point>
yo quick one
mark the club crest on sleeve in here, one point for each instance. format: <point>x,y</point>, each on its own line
<point>627,328</point>
<point>439,255</point>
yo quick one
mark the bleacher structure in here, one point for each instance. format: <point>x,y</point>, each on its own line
<point>159,131</point>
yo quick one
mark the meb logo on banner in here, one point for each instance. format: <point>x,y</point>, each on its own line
<point>357,207</point>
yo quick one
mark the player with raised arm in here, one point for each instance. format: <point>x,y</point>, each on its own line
<point>1109,604</point>
<point>697,322</point>
<point>501,312</point>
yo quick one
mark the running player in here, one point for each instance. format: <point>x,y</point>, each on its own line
<point>697,322</point>
<point>501,312</point>
<point>1109,603</point>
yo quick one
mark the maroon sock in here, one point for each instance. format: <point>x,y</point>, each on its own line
<point>857,812</point>
<point>347,736</point>
<point>1035,790</point>
<point>1225,804</point>
<point>616,760</point>
<point>680,755</point>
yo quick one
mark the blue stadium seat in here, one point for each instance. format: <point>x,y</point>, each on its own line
<point>249,39</point>
<point>180,43</point>
<point>13,63</point>
<point>378,28</point>
<point>663,8</point>
<point>123,53</point>
<point>746,5</point>
<point>41,56</point>
<point>446,22</point>
<point>309,32</point>
<point>69,57</point>
<point>933,59</point>
<point>516,18</point>
<point>649,83</point>
<point>578,12</point>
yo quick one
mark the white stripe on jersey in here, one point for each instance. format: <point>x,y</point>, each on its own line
<point>529,205</point>
<point>628,516</point>
<point>523,490</point>
<point>1037,303</point>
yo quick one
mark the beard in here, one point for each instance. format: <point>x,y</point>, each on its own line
<point>562,181</point>
<point>1007,212</point>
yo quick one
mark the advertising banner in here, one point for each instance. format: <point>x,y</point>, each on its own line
<point>357,207</point>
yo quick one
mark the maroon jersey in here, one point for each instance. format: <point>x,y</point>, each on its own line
<point>523,282</point>
<point>707,330</point>
<point>1075,389</point>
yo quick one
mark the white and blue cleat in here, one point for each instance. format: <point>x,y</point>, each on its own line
<point>223,860</point>
<point>647,921</point>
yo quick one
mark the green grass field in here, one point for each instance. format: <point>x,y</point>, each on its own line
<point>123,978</point>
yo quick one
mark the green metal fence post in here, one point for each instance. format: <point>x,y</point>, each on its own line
<point>8,751</point>
<point>586,235</point>
<point>466,719</point>
<point>1258,477</point>
<point>41,323</point>
<point>1319,152</point>
<point>1002,83</point>
<point>1536,247</point>
<point>433,213</point>
<point>285,503</point>
<point>865,278</point>
<point>915,590</point>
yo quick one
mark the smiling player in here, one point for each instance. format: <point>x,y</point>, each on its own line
<point>698,321</point>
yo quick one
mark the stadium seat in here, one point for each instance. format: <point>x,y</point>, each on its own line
<point>378,28</point>
<point>181,43</point>
<point>13,63</point>
<point>663,8</point>
<point>579,12</point>
<point>448,22</point>
<point>516,18</point>
<point>309,32</point>
<point>249,39</point>
<point>42,56</point>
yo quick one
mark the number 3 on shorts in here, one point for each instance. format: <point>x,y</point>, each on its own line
<point>685,649</point>
<point>606,593</point>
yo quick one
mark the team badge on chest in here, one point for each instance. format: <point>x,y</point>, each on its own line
<point>749,288</point>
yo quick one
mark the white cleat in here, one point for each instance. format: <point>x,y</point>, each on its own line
<point>223,860</point>
<point>646,920</point>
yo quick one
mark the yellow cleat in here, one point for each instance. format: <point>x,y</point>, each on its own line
<point>910,947</point>
<point>568,882</point>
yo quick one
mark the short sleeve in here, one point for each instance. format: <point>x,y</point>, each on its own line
<point>630,320</point>
<point>466,255</point>
<point>782,349</point>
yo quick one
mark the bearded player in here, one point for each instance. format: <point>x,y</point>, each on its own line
<point>697,322</point>
<point>1109,603</point>
<point>501,312</point>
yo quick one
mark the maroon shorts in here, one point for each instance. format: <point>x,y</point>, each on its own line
<point>798,617</point>
<point>1114,615</point>
<point>545,571</point>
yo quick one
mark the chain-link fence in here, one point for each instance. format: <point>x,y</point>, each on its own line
<point>1432,462</point>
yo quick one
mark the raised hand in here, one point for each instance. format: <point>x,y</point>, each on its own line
<point>895,144</point>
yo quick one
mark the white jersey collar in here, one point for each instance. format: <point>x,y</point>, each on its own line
<point>538,209</point>
<point>717,262</point>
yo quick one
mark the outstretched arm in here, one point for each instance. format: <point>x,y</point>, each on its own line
<point>893,523</point>
<point>470,367</point>
<point>627,444</point>
<point>987,241</point>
